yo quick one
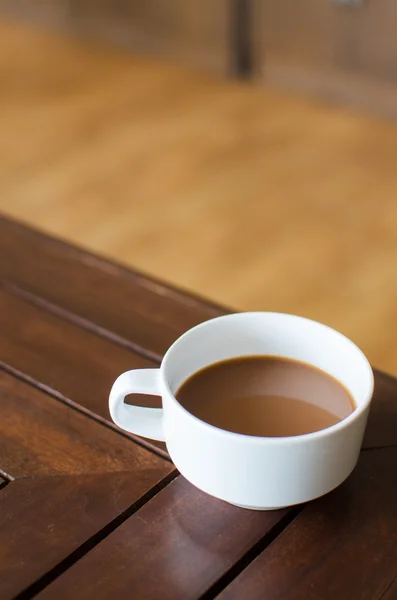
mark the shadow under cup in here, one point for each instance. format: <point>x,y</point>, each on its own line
<point>260,472</point>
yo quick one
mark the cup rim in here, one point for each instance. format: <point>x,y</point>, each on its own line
<point>243,437</point>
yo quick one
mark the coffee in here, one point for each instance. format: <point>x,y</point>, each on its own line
<point>266,396</point>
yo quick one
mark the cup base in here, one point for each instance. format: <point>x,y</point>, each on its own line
<point>257,507</point>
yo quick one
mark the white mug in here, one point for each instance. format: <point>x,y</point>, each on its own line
<point>249,471</point>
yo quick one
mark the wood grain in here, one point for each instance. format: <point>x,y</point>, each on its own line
<point>176,546</point>
<point>74,476</point>
<point>382,422</point>
<point>48,520</point>
<point>74,365</point>
<point>193,552</point>
<point>41,436</point>
<point>143,313</point>
<point>80,367</point>
<point>343,545</point>
<point>391,592</point>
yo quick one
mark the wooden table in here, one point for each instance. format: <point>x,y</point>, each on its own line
<point>87,511</point>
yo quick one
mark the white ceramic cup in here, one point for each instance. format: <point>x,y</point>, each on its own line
<point>249,471</point>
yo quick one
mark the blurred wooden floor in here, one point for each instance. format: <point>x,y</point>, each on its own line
<point>254,198</point>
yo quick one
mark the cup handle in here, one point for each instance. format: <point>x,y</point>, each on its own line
<point>140,420</point>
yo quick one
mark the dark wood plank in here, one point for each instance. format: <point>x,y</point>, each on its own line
<point>382,423</point>
<point>343,545</point>
<point>74,476</point>
<point>72,363</point>
<point>391,592</point>
<point>41,436</point>
<point>141,312</point>
<point>80,366</point>
<point>176,546</point>
<point>48,521</point>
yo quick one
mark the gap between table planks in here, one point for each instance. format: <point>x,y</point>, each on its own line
<point>68,317</point>
<point>31,325</point>
<point>78,367</point>
<point>72,477</point>
<point>75,365</point>
<point>78,481</point>
<point>111,301</point>
<point>343,545</point>
<point>65,280</point>
<point>137,311</point>
<point>207,543</point>
<point>38,500</point>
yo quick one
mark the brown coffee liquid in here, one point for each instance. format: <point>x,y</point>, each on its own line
<point>266,396</point>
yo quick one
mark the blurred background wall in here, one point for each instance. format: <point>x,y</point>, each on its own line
<point>243,150</point>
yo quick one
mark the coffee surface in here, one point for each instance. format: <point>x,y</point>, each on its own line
<point>266,396</point>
